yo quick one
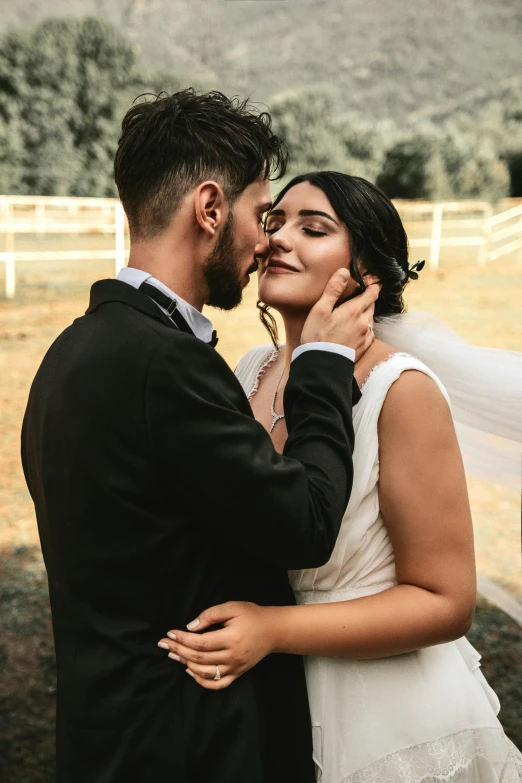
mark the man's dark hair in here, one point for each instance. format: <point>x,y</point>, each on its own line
<point>174,142</point>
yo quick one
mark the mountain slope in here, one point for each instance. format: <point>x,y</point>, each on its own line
<point>387,58</point>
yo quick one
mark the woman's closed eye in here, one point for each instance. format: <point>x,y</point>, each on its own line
<point>310,231</point>
<point>314,233</point>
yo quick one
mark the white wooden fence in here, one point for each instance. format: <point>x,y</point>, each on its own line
<point>447,225</point>
<point>39,215</point>
<point>430,225</point>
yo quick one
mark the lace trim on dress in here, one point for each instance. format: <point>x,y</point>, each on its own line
<point>275,351</point>
<point>380,364</point>
<point>267,362</point>
<point>493,755</point>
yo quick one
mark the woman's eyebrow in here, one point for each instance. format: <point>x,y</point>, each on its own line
<point>311,212</point>
<point>305,213</point>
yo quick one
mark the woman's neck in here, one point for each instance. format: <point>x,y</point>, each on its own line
<point>293,329</point>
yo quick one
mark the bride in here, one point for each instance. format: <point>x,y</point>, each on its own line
<point>395,689</point>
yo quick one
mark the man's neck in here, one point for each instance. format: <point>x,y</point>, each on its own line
<point>180,278</point>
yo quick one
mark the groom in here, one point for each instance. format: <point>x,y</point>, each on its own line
<point>157,494</point>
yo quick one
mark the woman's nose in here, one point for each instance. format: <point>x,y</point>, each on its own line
<point>280,241</point>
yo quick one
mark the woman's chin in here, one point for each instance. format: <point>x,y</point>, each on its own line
<point>289,291</point>
<point>284,304</point>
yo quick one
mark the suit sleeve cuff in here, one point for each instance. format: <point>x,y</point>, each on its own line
<point>343,350</point>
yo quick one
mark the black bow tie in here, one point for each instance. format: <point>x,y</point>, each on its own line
<point>171,307</point>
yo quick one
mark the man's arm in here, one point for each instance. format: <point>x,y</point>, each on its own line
<point>288,508</point>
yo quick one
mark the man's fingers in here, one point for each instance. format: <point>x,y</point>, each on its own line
<point>363,301</point>
<point>335,288</point>
<point>368,297</point>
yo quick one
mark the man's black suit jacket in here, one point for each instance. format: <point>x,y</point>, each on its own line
<point>158,495</point>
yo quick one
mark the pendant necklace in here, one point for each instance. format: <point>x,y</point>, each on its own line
<point>276,416</point>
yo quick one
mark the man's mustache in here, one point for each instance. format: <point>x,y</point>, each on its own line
<point>254,267</point>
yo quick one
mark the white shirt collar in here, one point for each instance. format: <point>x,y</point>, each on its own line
<point>199,323</point>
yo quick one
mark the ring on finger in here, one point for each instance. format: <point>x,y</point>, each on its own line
<point>218,673</point>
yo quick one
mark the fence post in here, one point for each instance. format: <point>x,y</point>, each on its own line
<point>519,254</point>
<point>119,230</point>
<point>436,234</point>
<point>10,278</point>
<point>484,249</point>
<point>40,217</point>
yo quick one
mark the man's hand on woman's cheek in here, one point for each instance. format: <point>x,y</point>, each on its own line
<point>248,636</point>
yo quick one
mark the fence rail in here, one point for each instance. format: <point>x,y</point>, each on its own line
<point>430,225</point>
<point>52,215</point>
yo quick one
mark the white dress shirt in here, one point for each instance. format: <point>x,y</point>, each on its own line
<point>200,324</point>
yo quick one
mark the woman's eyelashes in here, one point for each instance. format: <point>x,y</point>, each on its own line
<point>310,231</point>
<point>313,233</point>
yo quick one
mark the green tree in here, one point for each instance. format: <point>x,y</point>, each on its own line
<point>64,87</point>
<point>365,145</point>
<point>413,168</point>
<point>308,120</point>
<point>474,166</point>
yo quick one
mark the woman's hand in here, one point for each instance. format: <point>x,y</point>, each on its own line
<point>248,636</point>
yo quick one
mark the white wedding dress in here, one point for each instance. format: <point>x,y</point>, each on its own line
<point>423,716</point>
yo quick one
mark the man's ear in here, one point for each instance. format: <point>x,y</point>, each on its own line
<point>210,206</point>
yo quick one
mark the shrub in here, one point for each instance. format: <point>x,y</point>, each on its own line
<point>413,168</point>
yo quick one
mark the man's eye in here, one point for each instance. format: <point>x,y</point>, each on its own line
<point>313,233</point>
<point>271,230</point>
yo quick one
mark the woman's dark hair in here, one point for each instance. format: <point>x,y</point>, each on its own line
<point>378,238</point>
<point>172,143</point>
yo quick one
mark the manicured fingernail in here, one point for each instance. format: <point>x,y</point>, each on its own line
<point>193,624</point>
<point>189,672</point>
<point>171,635</point>
<point>163,645</point>
<point>174,657</point>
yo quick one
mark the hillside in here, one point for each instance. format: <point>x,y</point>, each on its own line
<point>388,58</point>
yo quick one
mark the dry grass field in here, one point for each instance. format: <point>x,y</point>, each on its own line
<point>481,304</point>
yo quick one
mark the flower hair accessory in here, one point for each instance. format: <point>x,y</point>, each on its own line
<point>413,271</point>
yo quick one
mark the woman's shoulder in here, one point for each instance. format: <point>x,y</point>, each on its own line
<point>395,369</point>
<point>396,384</point>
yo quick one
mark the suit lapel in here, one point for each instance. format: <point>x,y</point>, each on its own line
<point>104,291</point>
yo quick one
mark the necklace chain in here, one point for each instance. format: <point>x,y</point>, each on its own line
<point>276,416</point>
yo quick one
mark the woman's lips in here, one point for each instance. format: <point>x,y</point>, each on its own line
<point>277,267</point>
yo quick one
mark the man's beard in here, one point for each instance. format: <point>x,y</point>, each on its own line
<point>222,271</point>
